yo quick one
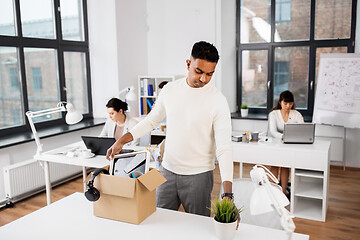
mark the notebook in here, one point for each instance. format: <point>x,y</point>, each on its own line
<point>100,145</point>
<point>125,164</point>
<point>299,133</point>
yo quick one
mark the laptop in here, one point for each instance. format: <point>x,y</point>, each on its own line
<point>299,133</point>
<point>130,164</point>
<point>100,145</point>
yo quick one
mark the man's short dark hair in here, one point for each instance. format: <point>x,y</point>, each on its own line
<point>206,51</point>
<point>162,84</point>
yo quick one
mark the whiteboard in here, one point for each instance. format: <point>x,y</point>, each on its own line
<point>337,97</point>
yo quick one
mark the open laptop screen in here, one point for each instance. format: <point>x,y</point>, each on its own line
<point>100,145</point>
<point>299,133</point>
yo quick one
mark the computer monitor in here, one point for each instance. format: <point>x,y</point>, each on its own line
<point>125,164</point>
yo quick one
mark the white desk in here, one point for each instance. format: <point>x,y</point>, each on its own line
<point>309,164</point>
<point>72,218</point>
<point>56,157</point>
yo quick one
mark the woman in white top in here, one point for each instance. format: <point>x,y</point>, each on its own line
<point>283,112</point>
<point>118,122</point>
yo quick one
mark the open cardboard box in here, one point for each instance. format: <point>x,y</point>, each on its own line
<point>127,199</point>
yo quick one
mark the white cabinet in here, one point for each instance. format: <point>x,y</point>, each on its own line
<point>149,90</point>
<point>309,165</point>
<point>309,198</point>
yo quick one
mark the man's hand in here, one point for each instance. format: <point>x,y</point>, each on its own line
<point>118,145</point>
<point>113,150</point>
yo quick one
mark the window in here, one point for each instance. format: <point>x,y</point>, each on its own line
<point>279,45</point>
<point>7,23</point>
<point>44,59</point>
<point>14,79</point>
<point>75,77</point>
<point>281,77</point>
<point>283,11</point>
<point>36,79</point>
<point>15,116</point>
<point>11,93</point>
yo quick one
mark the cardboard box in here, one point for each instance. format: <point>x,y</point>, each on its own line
<point>127,199</point>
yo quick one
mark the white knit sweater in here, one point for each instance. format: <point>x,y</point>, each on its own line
<point>276,122</point>
<point>198,129</point>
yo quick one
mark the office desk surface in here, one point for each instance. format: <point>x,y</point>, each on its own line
<point>275,153</point>
<point>72,218</point>
<point>57,155</point>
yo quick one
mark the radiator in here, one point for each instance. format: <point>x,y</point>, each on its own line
<point>27,178</point>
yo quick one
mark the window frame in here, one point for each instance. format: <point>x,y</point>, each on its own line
<point>258,113</point>
<point>60,46</point>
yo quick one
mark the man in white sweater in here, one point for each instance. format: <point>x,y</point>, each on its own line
<point>198,131</point>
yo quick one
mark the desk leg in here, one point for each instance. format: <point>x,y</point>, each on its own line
<point>292,190</point>
<point>84,178</point>
<point>47,182</point>
<point>240,170</point>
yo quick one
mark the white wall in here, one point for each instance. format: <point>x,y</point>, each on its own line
<point>118,49</point>
<point>357,32</point>
<point>104,60</point>
<point>131,28</point>
<point>174,26</point>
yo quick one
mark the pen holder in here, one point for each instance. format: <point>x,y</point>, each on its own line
<point>245,138</point>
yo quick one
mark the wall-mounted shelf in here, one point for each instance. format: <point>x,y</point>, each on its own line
<point>149,90</point>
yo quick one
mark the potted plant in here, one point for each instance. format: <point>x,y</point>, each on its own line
<point>244,110</point>
<point>225,218</point>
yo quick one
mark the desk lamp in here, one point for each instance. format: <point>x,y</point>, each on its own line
<point>268,197</point>
<point>130,94</point>
<point>72,117</point>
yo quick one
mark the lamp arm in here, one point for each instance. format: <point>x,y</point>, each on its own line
<point>30,115</point>
<point>285,218</point>
<point>36,136</point>
<point>45,112</point>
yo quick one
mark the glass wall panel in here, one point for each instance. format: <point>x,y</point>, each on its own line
<point>292,18</point>
<point>42,80</point>
<point>291,72</point>
<point>76,80</point>
<point>255,21</point>
<point>7,19</point>
<point>37,18</point>
<point>254,78</point>
<point>332,19</point>
<point>72,20</point>
<point>11,107</point>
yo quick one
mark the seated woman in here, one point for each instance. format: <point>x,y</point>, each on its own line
<point>283,112</point>
<point>118,122</point>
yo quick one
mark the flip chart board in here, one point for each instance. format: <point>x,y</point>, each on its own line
<point>337,97</point>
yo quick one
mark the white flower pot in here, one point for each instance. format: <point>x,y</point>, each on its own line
<point>244,112</point>
<point>225,231</point>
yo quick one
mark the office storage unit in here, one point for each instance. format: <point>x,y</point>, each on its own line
<point>310,191</point>
<point>149,90</point>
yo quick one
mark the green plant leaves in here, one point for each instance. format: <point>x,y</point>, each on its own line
<point>225,210</point>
